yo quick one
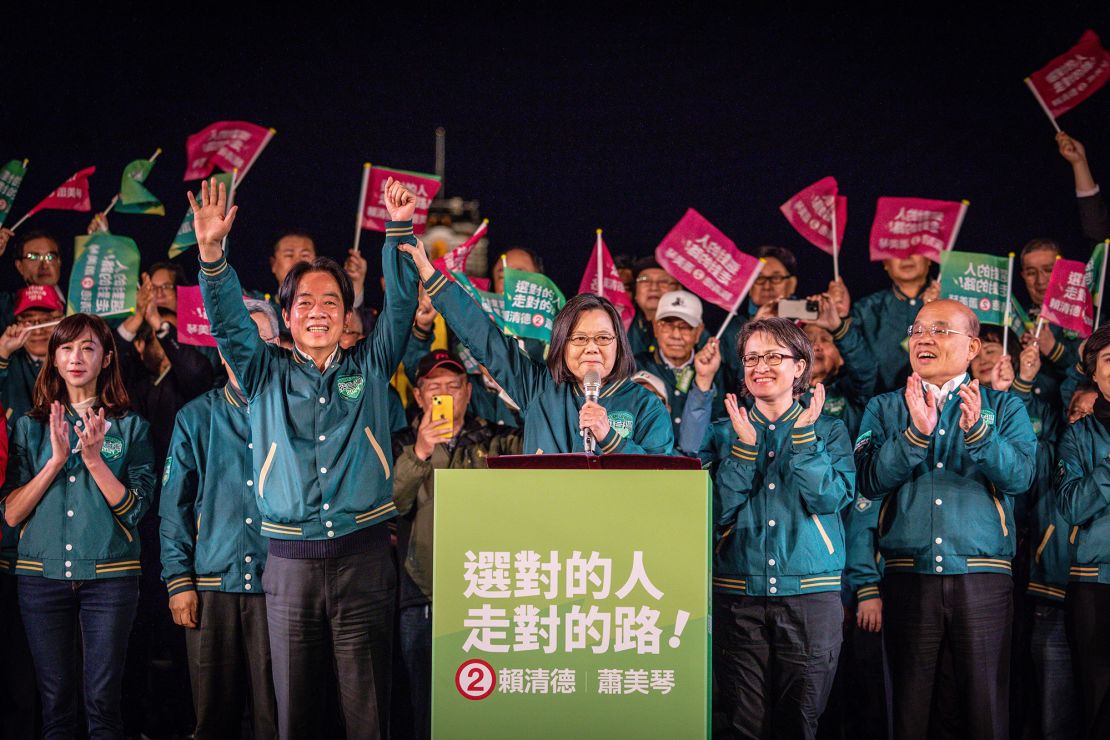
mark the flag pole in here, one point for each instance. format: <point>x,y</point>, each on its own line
<point>600,278</point>
<point>743,294</point>
<point>835,244</point>
<point>1037,95</point>
<point>1006,314</point>
<point>269,135</point>
<point>1101,282</point>
<point>361,202</point>
<point>959,224</point>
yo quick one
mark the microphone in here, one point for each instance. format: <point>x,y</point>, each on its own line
<point>591,385</point>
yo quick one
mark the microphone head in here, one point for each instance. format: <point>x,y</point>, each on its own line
<point>592,377</point>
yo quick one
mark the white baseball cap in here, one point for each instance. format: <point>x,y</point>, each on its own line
<point>680,304</point>
<point>644,377</point>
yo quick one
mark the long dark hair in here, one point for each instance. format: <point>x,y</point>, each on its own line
<point>564,324</point>
<point>50,387</point>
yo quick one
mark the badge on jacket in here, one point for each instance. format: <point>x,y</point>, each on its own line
<point>112,449</point>
<point>350,386</point>
<point>166,470</point>
<point>623,422</point>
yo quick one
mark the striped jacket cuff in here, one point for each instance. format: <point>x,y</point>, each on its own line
<point>1057,352</point>
<point>4,363</point>
<point>398,229</point>
<point>977,433</point>
<point>419,334</point>
<point>1023,387</point>
<point>611,443</point>
<point>803,435</point>
<point>180,583</point>
<point>126,504</point>
<point>917,438</point>
<point>744,451</point>
<point>842,330</point>
<point>435,283</point>
<point>868,592</point>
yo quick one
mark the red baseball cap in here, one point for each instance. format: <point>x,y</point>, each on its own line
<point>42,297</point>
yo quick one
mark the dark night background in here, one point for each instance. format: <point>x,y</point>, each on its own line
<point>559,125</point>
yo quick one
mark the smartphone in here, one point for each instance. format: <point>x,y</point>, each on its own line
<point>800,309</point>
<point>443,407</point>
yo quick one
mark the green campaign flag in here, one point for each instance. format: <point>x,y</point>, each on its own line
<point>10,178</point>
<point>978,281</point>
<point>133,197</point>
<point>105,275</point>
<point>186,237</point>
<point>1019,320</point>
<point>491,303</point>
<point>558,615</point>
<point>1093,274</point>
<point>531,302</point>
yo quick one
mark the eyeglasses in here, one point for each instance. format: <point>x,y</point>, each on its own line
<point>933,331</point>
<point>668,283</point>
<point>163,287</point>
<point>1033,272</point>
<point>773,359</point>
<point>35,257</point>
<point>775,280</point>
<point>601,340</point>
<point>675,325</point>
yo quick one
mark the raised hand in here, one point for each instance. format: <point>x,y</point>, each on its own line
<point>211,218</point>
<point>13,339</point>
<point>420,257</point>
<point>971,404</point>
<point>425,312</point>
<point>827,316</point>
<point>1046,340</point>
<point>816,403</point>
<point>1070,149</point>
<point>430,433</point>
<point>838,292</point>
<point>767,310</point>
<point>1002,374</point>
<point>741,424</point>
<point>99,222</point>
<point>91,435</point>
<point>59,434</point>
<point>922,406</point>
<point>707,362</point>
<point>399,201</point>
<point>355,267</point>
<point>594,417</point>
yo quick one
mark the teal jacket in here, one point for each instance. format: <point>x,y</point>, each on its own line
<point>1054,368</point>
<point>639,421</point>
<point>848,392</point>
<point>777,507</point>
<point>1083,498</point>
<point>884,318</point>
<point>641,334</point>
<point>17,385</point>
<point>73,534</point>
<point>322,458</point>
<point>210,524</point>
<point>863,565</point>
<point>947,497</point>
<point>678,384</point>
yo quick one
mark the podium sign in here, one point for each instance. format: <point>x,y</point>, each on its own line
<point>571,603</point>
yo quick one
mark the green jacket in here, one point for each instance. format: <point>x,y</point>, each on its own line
<point>848,392</point>
<point>210,526</point>
<point>884,318</point>
<point>1054,368</point>
<point>17,385</point>
<point>947,497</point>
<point>678,383</point>
<point>73,534</point>
<point>1083,498</point>
<point>641,334</point>
<point>863,565</point>
<point>414,487</point>
<point>777,506</point>
<point>639,421</point>
<point>322,458</point>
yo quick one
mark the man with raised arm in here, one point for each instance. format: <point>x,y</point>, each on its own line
<point>322,467</point>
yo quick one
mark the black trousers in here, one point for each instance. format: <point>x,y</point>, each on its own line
<point>1088,625</point>
<point>229,666</point>
<point>774,660</point>
<point>970,617</point>
<point>20,714</point>
<point>328,614</point>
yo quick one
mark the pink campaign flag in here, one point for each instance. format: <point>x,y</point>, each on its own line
<point>908,226</point>
<point>707,262</point>
<point>192,320</point>
<point>456,258</point>
<point>71,195</point>
<point>425,187</point>
<point>228,145</point>
<point>612,287</point>
<point>810,213</point>
<point>1072,77</point>
<point>1067,302</point>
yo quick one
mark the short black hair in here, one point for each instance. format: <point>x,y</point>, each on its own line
<point>1097,342</point>
<point>565,321</point>
<point>291,232</point>
<point>992,333</point>
<point>645,263</point>
<point>175,268</point>
<point>22,238</point>
<point>495,257</point>
<point>786,333</point>
<point>321,264</point>
<point>1036,245</point>
<point>782,254</point>
<point>623,261</point>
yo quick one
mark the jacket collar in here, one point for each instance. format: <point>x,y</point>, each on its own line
<point>791,414</point>
<point>606,390</point>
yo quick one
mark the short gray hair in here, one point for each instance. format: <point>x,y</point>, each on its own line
<point>254,305</point>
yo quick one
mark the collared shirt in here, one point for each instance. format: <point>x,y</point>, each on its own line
<point>668,364</point>
<point>327,363</point>
<point>941,393</point>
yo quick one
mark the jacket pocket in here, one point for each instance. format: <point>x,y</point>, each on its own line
<point>1001,516</point>
<point>266,465</point>
<point>824,534</point>
<point>1044,541</point>
<point>378,449</point>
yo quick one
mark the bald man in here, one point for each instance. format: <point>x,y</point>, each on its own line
<point>946,458</point>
